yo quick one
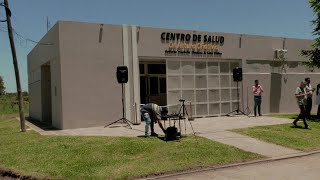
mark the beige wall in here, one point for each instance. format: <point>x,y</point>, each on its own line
<point>91,95</point>
<point>45,52</point>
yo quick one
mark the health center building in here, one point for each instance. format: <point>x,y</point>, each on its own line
<point>73,83</point>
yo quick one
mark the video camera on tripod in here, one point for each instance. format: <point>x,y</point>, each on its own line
<point>174,133</point>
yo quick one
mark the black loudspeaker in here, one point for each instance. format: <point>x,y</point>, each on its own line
<point>122,74</point>
<point>237,74</point>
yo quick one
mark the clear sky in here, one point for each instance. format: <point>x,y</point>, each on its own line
<point>281,18</point>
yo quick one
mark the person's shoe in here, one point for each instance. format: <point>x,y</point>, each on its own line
<point>154,134</point>
<point>295,124</point>
<point>307,127</point>
<point>260,114</point>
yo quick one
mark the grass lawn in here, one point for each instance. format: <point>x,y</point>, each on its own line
<point>288,116</point>
<point>285,135</point>
<point>31,154</point>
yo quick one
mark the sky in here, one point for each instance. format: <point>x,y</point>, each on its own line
<point>280,18</point>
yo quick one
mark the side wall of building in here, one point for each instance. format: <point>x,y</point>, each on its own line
<point>90,54</point>
<point>45,54</point>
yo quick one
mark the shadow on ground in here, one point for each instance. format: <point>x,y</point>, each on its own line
<point>42,125</point>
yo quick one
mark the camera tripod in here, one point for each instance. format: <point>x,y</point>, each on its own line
<point>238,111</point>
<point>123,119</point>
<point>182,116</point>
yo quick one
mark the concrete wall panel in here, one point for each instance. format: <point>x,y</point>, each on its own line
<point>35,110</point>
<point>90,91</point>
<point>47,51</point>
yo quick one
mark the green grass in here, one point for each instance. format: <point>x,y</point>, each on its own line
<point>285,135</point>
<point>288,116</point>
<point>106,157</point>
<point>8,104</point>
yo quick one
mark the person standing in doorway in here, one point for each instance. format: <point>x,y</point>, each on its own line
<point>318,100</point>
<point>301,95</point>
<point>257,92</point>
<point>309,90</point>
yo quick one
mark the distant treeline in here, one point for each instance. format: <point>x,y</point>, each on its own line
<point>24,93</point>
<point>9,103</point>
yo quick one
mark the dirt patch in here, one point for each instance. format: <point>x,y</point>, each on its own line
<point>7,174</point>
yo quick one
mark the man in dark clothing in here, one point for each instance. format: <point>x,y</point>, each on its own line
<point>309,90</point>
<point>151,114</point>
<point>301,100</point>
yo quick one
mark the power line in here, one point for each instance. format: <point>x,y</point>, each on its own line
<point>21,38</point>
<point>3,29</point>
<point>30,40</point>
<point>7,11</point>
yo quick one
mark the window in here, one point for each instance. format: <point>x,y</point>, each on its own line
<point>141,68</point>
<point>154,86</point>
<point>163,86</point>
<point>156,69</point>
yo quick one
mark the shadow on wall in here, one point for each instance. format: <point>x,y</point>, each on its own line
<point>275,92</point>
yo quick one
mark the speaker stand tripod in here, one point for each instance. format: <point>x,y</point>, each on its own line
<point>247,110</point>
<point>238,111</point>
<point>123,119</point>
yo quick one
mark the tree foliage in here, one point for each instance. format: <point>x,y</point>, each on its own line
<point>2,88</point>
<point>314,54</point>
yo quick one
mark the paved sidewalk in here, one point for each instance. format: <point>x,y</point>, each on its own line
<point>250,144</point>
<point>215,128</point>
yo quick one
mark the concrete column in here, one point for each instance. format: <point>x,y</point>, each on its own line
<point>127,87</point>
<point>136,75</point>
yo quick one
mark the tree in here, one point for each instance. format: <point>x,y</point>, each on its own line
<point>2,87</point>
<point>313,55</point>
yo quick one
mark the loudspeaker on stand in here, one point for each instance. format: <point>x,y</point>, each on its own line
<point>237,74</point>
<point>122,74</point>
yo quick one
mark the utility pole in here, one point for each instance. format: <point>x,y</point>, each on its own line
<point>15,64</point>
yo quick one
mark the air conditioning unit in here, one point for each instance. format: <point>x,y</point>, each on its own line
<point>281,53</point>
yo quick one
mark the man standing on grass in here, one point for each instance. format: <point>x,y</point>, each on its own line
<point>301,95</point>
<point>151,114</point>
<point>257,91</point>
<point>309,90</point>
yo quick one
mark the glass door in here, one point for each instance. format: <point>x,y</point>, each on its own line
<point>153,85</point>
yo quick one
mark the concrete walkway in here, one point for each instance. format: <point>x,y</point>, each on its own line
<point>215,128</point>
<point>250,144</point>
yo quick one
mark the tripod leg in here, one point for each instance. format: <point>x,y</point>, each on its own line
<point>124,121</point>
<point>193,132</point>
<point>185,110</point>
<point>127,122</point>
<point>185,127</point>
<point>112,123</point>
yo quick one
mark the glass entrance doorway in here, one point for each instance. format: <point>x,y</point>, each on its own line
<point>153,85</point>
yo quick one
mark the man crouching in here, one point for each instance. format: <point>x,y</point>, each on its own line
<point>151,114</point>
